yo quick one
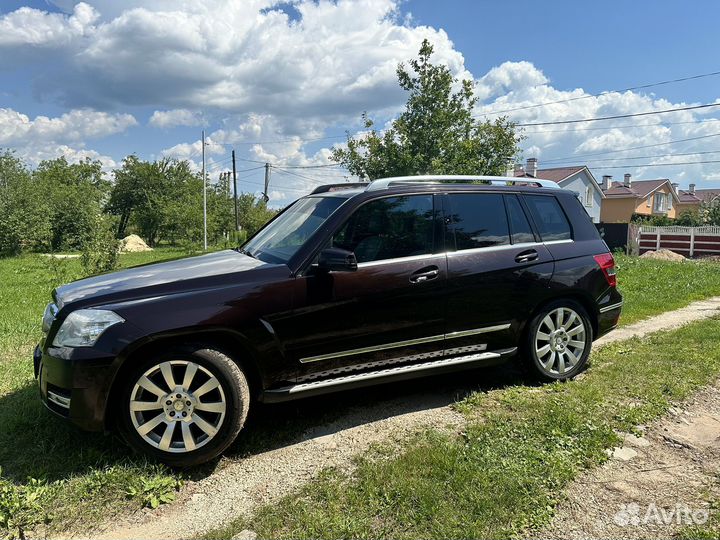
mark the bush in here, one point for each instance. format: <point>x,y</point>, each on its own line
<point>100,249</point>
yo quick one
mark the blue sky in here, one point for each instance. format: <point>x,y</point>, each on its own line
<point>104,79</point>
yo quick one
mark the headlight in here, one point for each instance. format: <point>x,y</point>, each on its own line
<point>83,327</point>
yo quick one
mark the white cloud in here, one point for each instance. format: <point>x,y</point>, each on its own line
<point>252,73</point>
<point>66,135</point>
<point>77,125</point>
<point>36,28</point>
<point>176,117</point>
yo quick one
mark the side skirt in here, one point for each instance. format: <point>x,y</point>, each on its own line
<point>370,378</point>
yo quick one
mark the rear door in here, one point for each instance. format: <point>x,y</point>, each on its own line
<point>498,270</point>
<point>391,310</point>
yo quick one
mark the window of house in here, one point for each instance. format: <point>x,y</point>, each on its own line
<point>478,220</point>
<point>389,228</point>
<point>589,196</point>
<point>549,218</point>
<point>660,202</point>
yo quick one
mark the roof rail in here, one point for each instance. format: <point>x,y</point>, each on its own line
<point>339,187</point>
<point>385,183</point>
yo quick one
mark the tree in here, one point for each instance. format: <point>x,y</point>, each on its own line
<point>25,217</point>
<point>689,218</point>
<point>436,134</point>
<point>75,193</point>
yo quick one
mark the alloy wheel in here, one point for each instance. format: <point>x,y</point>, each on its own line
<point>560,341</point>
<point>177,406</point>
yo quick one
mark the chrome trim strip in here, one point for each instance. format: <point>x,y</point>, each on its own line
<point>59,400</point>
<point>374,348</point>
<point>406,343</point>
<point>400,259</point>
<point>475,331</point>
<point>338,381</point>
<point>551,242</point>
<point>611,307</point>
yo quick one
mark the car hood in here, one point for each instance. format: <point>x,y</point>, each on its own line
<point>156,279</point>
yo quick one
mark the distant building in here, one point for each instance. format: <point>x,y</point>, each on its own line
<point>644,197</point>
<point>577,178</point>
<point>692,198</point>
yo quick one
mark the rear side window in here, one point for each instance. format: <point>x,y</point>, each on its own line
<point>549,218</point>
<point>389,228</point>
<point>477,220</point>
<point>520,230</point>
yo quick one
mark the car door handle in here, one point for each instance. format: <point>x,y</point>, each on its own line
<point>425,274</point>
<point>526,256</point>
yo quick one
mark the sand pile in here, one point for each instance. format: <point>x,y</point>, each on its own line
<point>133,244</point>
<point>663,254</point>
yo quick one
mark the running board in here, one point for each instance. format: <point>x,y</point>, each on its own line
<point>370,378</point>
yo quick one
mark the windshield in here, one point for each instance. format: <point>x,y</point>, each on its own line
<point>284,236</point>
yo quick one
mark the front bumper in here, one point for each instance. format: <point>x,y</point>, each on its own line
<point>74,384</point>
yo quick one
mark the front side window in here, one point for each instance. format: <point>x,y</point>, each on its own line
<point>284,236</point>
<point>389,228</point>
<point>549,218</point>
<point>477,220</point>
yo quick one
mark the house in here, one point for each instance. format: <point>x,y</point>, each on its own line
<point>692,198</point>
<point>645,197</point>
<point>577,178</point>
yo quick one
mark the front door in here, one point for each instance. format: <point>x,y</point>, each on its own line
<point>391,310</point>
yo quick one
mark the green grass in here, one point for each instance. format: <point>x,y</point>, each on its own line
<point>503,476</point>
<point>88,477</point>
<point>82,477</point>
<point>650,287</point>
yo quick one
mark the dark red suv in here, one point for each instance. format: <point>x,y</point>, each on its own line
<point>352,285</point>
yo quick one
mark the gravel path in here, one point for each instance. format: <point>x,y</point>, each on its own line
<point>654,484</point>
<point>387,414</point>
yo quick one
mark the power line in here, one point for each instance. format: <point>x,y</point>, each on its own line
<point>641,87</point>
<point>659,164</point>
<point>629,149</point>
<point>617,116</point>
<point>330,137</point>
<point>626,126</point>
<point>656,156</point>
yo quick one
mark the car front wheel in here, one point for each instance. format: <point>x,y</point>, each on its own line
<point>558,341</point>
<point>184,407</point>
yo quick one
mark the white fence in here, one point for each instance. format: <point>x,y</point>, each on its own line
<point>688,241</point>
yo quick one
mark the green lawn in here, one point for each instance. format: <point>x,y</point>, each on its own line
<point>503,476</point>
<point>83,478</point>
<point>650,287</point>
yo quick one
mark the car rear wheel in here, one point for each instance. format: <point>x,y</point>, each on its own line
<point>184,407</point>
<point>558,341</point>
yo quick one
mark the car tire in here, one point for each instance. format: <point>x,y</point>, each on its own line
<point>558,340</point>
<point>183,407</point>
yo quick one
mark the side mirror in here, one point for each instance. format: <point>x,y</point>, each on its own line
<point>337,260</point>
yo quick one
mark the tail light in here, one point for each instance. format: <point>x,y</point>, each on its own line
<point>606,262</point>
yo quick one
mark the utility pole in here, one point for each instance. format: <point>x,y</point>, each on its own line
<point>204,192</point>
<point>267,182</point>
<point>237,220</point>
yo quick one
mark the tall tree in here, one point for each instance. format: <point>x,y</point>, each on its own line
<point>436,134</point>
<point>75,193</point>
